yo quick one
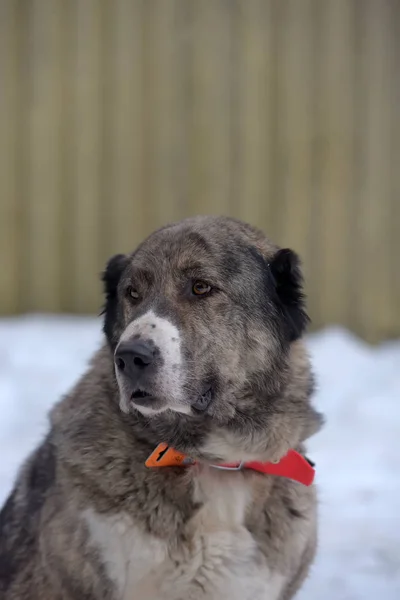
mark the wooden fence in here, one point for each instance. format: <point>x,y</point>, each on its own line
<point>119,115</point>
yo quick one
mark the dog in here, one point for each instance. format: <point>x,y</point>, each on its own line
<point>203,354</point>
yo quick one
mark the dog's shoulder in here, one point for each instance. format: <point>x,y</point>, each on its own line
<point>20,518</point>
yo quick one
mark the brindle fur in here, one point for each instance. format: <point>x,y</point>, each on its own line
<point>245,340</point>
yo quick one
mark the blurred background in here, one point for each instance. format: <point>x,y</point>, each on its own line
<point>118,116</point>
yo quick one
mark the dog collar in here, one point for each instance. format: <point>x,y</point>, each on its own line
<point>292,466</point>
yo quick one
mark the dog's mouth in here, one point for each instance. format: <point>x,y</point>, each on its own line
<point>143,398</point>
<point>140,396</point>
<point>145,401</point>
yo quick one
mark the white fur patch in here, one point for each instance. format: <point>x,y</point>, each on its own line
<point>166,337</point>
<point>219,560</point>
<point>128,554</point>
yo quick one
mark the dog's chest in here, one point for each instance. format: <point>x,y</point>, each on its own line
<point>219,558</point>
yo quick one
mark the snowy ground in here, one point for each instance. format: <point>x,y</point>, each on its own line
<point>357,454</point>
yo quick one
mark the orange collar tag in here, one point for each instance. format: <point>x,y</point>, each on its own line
<point>292,466</point>
<point>164,456</point>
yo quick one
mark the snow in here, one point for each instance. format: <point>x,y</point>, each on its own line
<point>357,453</point>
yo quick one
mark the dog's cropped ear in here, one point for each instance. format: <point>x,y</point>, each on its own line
<point>112,274</point>
<point>288,282</point>
<point>110,277</point>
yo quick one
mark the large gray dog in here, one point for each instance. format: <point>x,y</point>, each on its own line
<point>203,355</point>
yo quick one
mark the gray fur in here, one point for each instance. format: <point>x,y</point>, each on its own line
<point>85,497</point>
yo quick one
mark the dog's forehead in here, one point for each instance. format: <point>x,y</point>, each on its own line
<point>221,251</point>
<point>207,240</point>
<point>183,245</point>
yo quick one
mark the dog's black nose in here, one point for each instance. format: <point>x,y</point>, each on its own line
<point>134,357</point>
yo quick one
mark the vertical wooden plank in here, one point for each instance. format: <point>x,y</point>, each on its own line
<point>163,120</point>
<point>295,205</point>
<point>356,209</point>
<point>43,210</point>
<point>107,10</point>
<point>210,124</point>
<point>255,94</point>
<point>85,204</point>
<point>394,211</point>
<point>125,206</point>
<point>184,98</point>
<point>317,144</point>
<point>335,133</point>
<point>23,108</point>
<point>67,155</point>
<point>9,208</point>
<point>277,164</point>
<point>373,266</point>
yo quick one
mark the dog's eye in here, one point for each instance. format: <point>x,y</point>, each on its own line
<point>132,293</point>
<point>200,288</point>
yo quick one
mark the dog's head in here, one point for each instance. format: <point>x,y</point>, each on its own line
<point>204,321</point>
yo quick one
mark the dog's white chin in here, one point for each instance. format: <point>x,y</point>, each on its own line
<point>151,411</point>
<point>148,411</point>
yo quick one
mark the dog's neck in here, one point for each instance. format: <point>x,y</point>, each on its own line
<point>249,436</point>
<point>197,436</point>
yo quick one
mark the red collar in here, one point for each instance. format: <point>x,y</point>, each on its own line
<point>292,466</point>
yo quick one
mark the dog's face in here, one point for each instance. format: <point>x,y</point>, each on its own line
<point>200,319</point>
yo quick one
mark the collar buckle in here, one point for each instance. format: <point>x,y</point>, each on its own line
<point>238,467</point>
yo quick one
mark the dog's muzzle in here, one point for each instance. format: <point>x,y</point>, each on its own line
<point>137,363</point>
